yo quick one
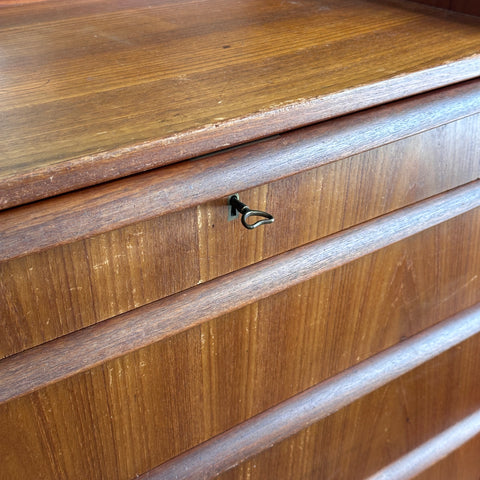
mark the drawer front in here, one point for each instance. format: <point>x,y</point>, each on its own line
<point>63,289</point>
<point>462,463</point>
<point>124,417</point>
<point>380,428</point>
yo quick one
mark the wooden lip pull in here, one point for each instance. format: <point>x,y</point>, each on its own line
<point>238,207</point>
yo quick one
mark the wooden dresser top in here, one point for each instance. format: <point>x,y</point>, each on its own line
<point>94,90</point>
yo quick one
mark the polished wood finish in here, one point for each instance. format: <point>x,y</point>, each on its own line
<point>288,418</point>
<point>365,436</point>
<point>432,451</point>
<point>130,414</point>
<point>462,463</point>
<point>143,332</point>
<point>86,282</point>
<point>85,349</point>
<point>100,90</point>
<point>93,211</point>
<point>77,285</point>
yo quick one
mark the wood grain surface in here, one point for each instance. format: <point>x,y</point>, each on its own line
<point>96,90</point>
<point>132,413</point>
<point>74,353</point>
<point>141,326</point>
<point>462,463</point>
<point>360,439</point>
<point>55,292</point>
<point>91,211</point>
<point>433,451</point>
<point>43,421</point>
<point>290,417</point>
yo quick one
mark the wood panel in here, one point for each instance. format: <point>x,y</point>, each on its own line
<point>462,463</point>
<point>471,7</point>
<point>288,418</point>
<point>52,293</point>
<point>130,414</point>
<point>358,440</point>
<point>435,3</point>
<point>55,292</point>
<point>96,210</point>
<point>466,6</point>
<point>432,451</point>
<point>92,346</point>
<point>96,91</point>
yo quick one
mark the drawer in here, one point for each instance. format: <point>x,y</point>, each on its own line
<point>382,427</point>
<point>64,288</point>
<point>135,412</point>
<point>462,463</point>
<point>140,325</point>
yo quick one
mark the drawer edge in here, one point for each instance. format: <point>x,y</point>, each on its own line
<point>257,434</point>
<point>95,210</point>
<point>93,169</point>
<point>79,351</point>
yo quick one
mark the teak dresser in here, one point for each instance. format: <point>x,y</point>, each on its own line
<point>146,333</point>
